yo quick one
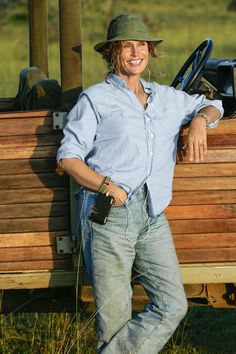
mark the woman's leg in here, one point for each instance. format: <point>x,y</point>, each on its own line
<point>157,264</point>
<point>109,254</point>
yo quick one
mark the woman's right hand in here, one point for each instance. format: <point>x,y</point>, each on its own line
<point>118,194</point>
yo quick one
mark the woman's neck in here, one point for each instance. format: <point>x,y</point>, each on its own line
<point>132,82</point>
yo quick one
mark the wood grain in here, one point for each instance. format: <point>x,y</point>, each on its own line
<point>33,195</point>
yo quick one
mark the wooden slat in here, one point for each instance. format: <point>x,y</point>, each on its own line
<point>218,141</point>
<point>31,140</point>
<point>33,195</point>
<point>32,180</point>
<point>25,114</point>
<point>206,255</point>
<point>203,226</point>
<point>22,166</point>
<point>27,152</point>
<point>25,126</point>
<point>204,197</point>
<point>214,141</point>
<point>201,211</point>
<point>44,278</point>
<point>205,240</point>
<point>210,183</point>
<point>205,169</point>
<point>33,210</point>
<point>14,254</point>
<point>225,127</point>
<point>35,265</point>
<point>216,155</point>
<point>32,239</point>
<point>59,223</point>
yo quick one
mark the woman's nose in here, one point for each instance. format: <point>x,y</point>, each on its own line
<point>135,51</point>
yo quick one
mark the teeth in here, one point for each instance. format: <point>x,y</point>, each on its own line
<point>135,61</point>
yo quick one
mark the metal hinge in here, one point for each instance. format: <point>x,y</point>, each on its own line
<point>59,120</point>
<point>66,245</point>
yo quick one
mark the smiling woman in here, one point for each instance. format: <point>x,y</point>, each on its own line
<point>120,144</point>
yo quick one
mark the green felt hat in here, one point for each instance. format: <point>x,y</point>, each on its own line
<point>126,27</point>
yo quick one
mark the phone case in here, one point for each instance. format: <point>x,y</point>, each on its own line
<point>101,209</point>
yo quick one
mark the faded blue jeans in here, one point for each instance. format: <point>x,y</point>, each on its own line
<point>131,240</point>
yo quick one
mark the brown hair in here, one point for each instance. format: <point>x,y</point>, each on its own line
<point>111,53</point>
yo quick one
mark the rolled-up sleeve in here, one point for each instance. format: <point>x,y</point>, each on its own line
<point>80,130</point>
<point>195,103</point>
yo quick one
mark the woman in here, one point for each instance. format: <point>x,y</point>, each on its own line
<point>120,140</point>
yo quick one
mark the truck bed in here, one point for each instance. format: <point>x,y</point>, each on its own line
<point>35,206</point>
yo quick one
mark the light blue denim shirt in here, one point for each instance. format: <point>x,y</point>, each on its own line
<point>110,130</point>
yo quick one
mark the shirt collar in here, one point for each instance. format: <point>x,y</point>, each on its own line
<point>118,82</point>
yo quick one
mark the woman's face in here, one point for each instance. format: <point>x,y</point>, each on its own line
<point>133,58</point>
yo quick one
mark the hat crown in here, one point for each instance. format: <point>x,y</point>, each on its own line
<point>123,24</point>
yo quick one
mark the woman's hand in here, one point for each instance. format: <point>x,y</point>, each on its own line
<point>197,139</point>
<point>118,194</point>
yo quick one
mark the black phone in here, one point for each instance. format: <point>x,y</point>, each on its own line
<point>101,209</point>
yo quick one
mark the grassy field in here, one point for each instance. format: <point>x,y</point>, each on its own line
<point>204,331</point>
<point>182,24</point>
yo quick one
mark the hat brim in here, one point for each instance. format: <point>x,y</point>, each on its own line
<point>146,38</point>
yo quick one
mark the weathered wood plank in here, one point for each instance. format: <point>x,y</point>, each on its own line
<point>225,127</point>
<point>25,126</point>
<point>14,254</point>
<point>201,211</point>
<point>30,239</point>
<point>206,240</point>
<point>33,195</point>
<point>39,279</point>
<point>60,223</point>
<point>216,155</point>
<point>34,210</point>
<point>203,226</point>
<point>206,255</point>
<point>22,166</point>
<point>33,180</point>
<point>25,114</point>
<point>206,169</point>
<point>31,140</point>
<point>27,152</point>
<point>210,183</point>
<point>201,197</point>
<point>35,265</point>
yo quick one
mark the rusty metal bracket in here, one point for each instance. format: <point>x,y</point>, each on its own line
<point>66,245</point>
<point>59,120</point>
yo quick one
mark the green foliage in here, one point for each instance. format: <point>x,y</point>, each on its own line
<point>182,25</point>
<point>204,331</point>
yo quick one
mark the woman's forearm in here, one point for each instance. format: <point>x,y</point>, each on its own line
<point>82,173</point>
<point>87,177</point>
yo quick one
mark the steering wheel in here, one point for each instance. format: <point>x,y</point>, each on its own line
<point>197,60</point>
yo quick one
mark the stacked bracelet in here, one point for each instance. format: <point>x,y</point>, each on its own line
<point>203,115</point>
<point>105,184</point>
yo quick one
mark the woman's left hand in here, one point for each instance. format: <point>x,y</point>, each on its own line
<point>197,140</point>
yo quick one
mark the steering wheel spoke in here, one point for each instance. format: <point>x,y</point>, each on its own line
<point>196,63</point>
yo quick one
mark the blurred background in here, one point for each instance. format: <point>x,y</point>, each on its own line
<point>182,24</point>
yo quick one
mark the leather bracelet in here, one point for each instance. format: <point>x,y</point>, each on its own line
<point>104,185</point>
<point>203,115</point>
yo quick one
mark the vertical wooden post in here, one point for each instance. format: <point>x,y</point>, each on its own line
<point>71,61</point>
<point>38,34</point>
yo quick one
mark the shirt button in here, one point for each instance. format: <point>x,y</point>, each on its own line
<point>151,153</point>
<point>151,136</point>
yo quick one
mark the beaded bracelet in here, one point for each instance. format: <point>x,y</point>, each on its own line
<point>203,115</point>
<point>105,184</point>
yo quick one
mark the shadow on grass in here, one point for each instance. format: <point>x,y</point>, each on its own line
<point>205,330</point>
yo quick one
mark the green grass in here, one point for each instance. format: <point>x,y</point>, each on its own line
<point>203,331</point>
<point>182,24</point>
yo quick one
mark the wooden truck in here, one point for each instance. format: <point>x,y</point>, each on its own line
<point>41,268</point>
